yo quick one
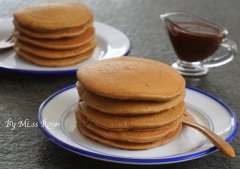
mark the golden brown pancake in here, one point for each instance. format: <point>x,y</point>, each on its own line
<point>64,43</point>
<point>134,122</point>
<point>57,34</point>
<point>118,107</point>
<point>55,54</point>
<point>54,62</point>
<point>50,17</point>
<point>128,145</point>
<point>54,34</point>
<point>130,103</point>
<point>131,78</point>
<point>136,136</point>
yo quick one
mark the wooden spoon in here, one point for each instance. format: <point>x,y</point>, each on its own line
<point>220,143</point>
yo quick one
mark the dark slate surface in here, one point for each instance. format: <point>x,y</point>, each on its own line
<point>21,95</point>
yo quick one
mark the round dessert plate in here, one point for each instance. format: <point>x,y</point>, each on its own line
<point>57,121</point>
<point>110,43</point>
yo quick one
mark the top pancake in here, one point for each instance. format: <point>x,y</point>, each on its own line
<point>48,17</point>
<point>131,78</point>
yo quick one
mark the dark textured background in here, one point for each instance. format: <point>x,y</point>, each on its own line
<point>21,95</point>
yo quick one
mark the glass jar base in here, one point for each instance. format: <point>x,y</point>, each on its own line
<point>190,68</point>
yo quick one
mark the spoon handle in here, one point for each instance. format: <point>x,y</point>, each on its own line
<point>220,143</point>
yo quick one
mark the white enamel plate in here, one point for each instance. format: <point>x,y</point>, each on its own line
<point>190,144</point>
<point>110,43</point>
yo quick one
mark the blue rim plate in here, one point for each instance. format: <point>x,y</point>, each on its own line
<point>111,43</point>
<point>60,106</point>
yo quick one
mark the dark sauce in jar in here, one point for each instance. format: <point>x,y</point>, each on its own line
<point>193,41</point>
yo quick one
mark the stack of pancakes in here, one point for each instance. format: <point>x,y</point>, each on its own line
<point>54,34</point>
<point>130,103</point>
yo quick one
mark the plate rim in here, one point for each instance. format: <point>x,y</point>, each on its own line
<point>57,72</point>
<point>138,161</point>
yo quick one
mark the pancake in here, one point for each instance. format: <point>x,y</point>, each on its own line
<point>57,34</point>
<point>55,16</point>
<point>117,107</point>
<point>55,54</point>
<point>128,145</point>
<point>131,78</point>
<point>135,136</point>
<point>149,121</point>
<point>54,62</point>
<point>64,43</point>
